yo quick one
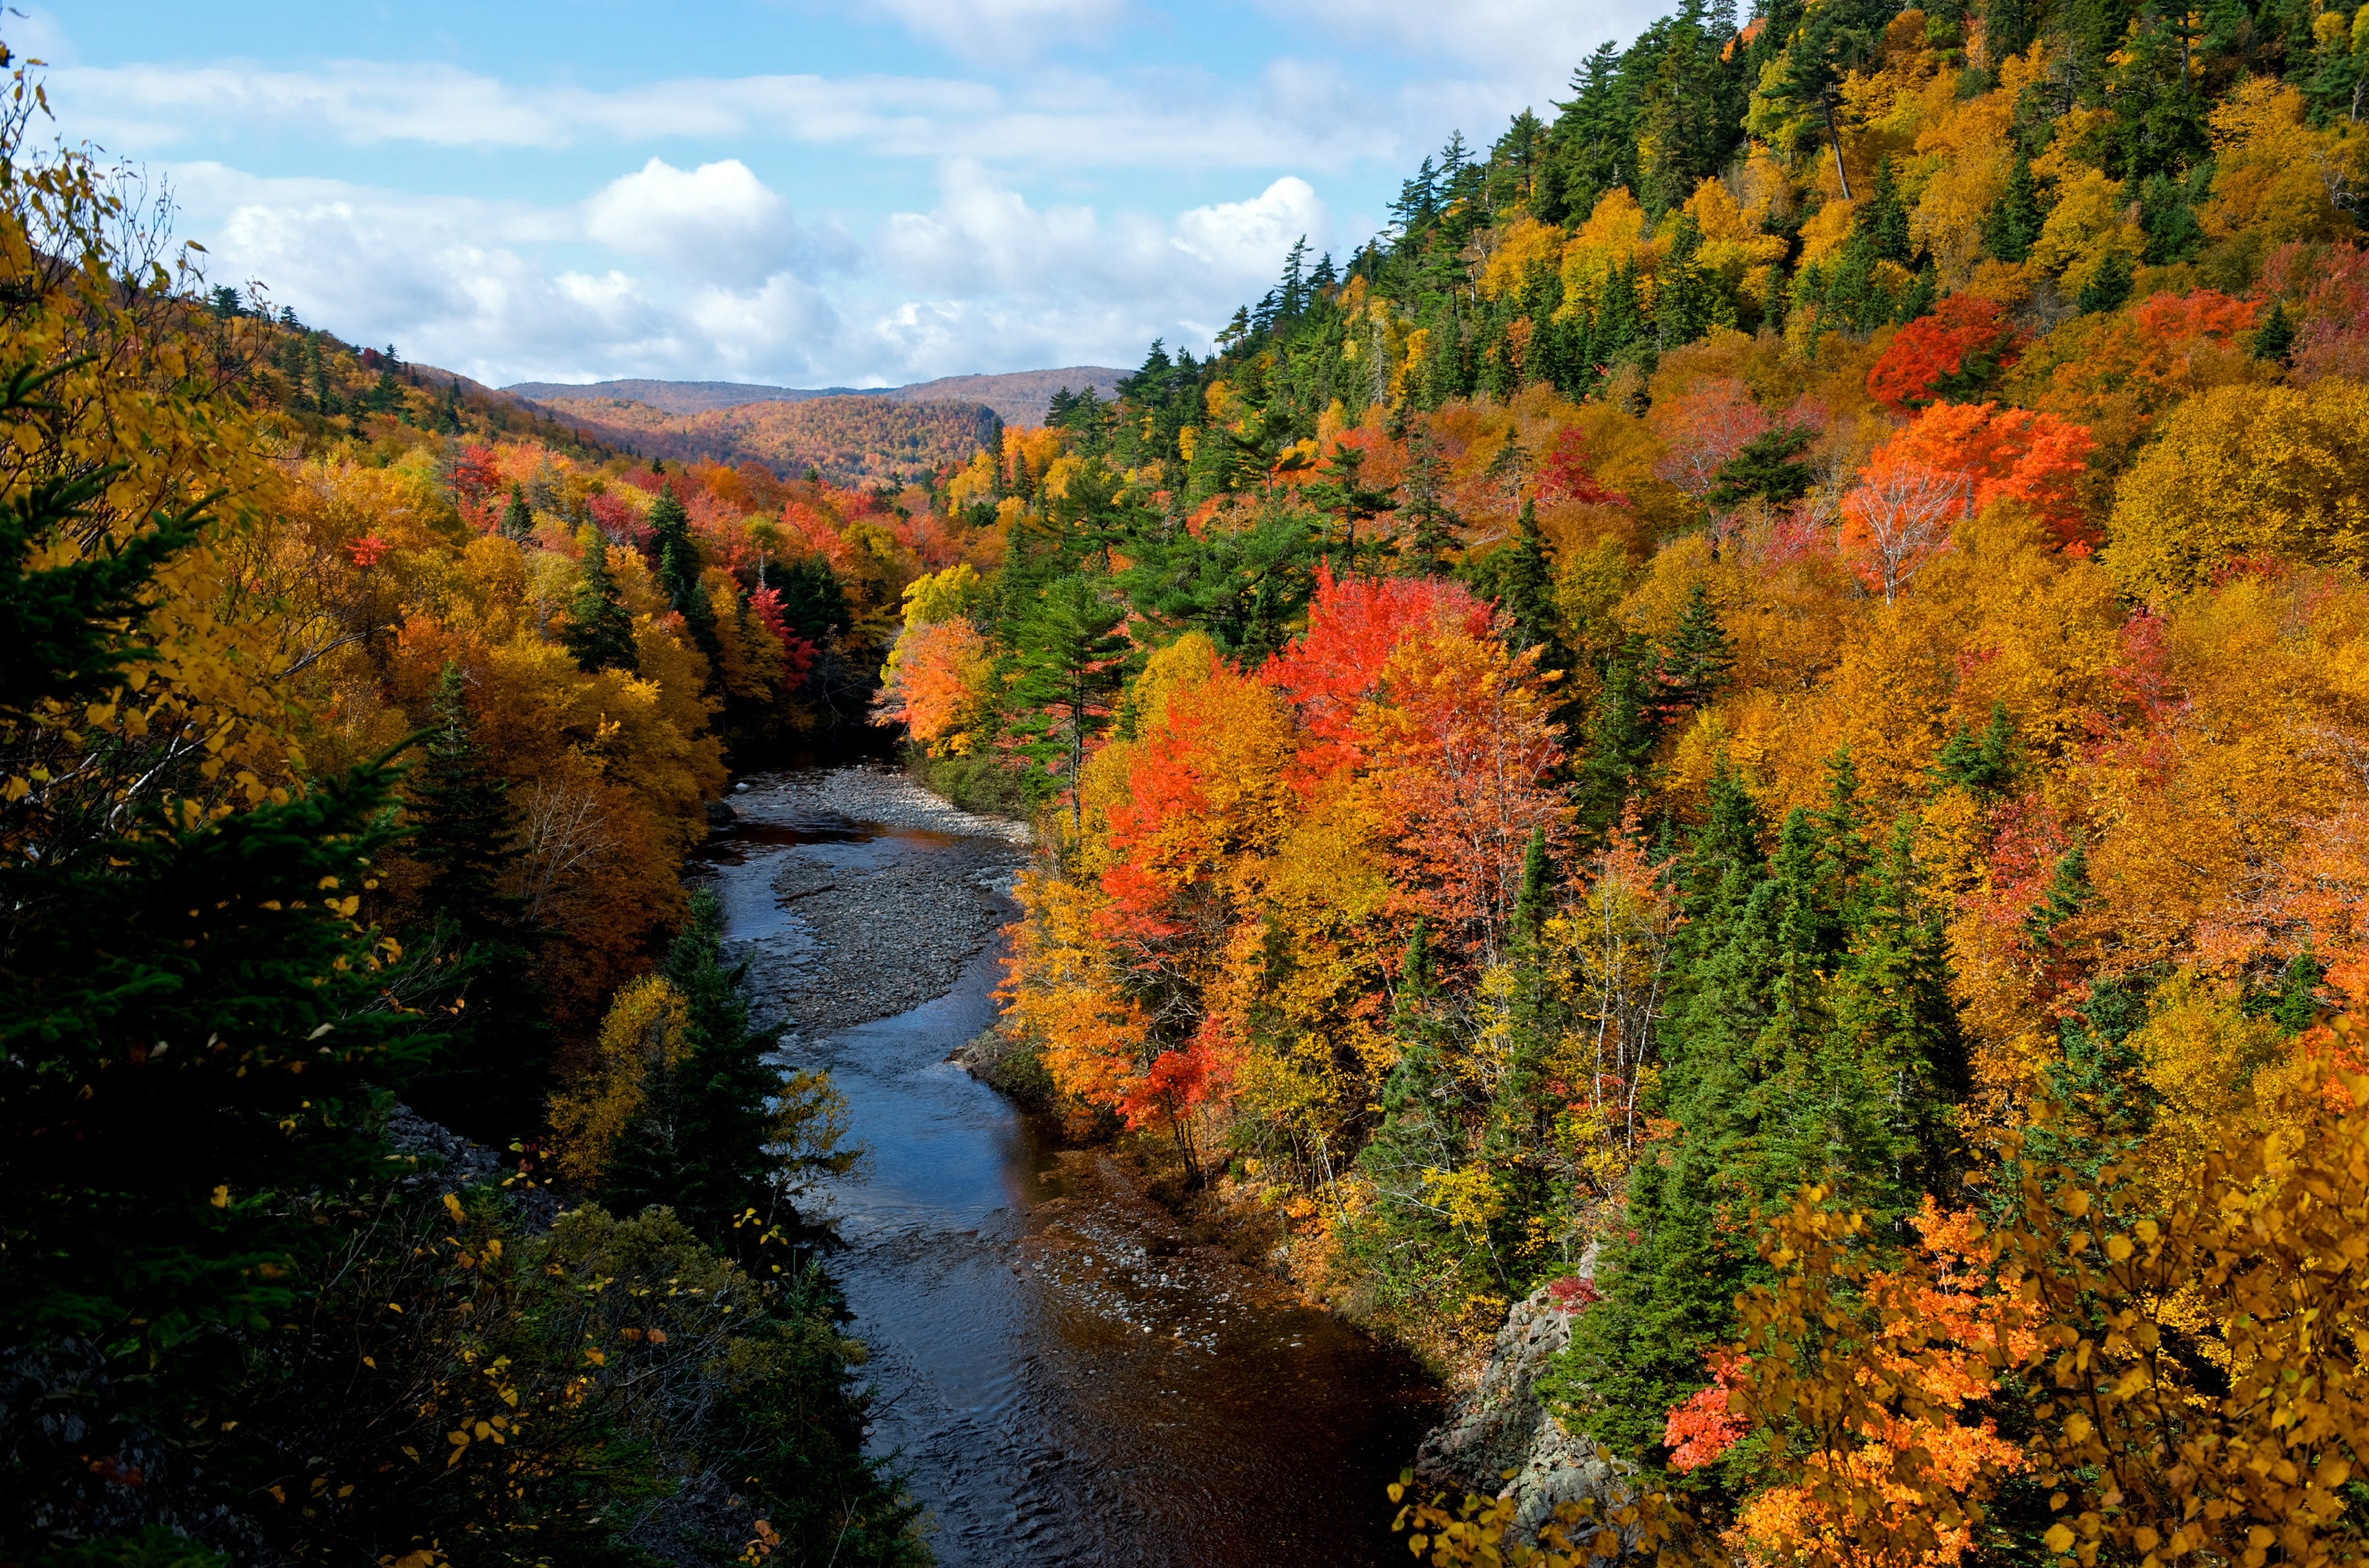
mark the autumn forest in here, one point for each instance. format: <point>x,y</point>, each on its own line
<point>1749,731</point>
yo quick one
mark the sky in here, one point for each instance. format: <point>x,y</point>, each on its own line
<point>797,193</point>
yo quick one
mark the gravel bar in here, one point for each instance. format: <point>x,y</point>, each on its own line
<point>881,913</point>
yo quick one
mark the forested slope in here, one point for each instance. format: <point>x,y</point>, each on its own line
<point>848,441</point>
<point>354,728</point>
<point>1754,718</point>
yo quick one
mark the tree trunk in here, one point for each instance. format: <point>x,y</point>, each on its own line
<point>1834,140</point>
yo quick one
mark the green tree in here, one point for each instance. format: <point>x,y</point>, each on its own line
<point>518,518</point>
<point>489,1077</point>
<point>1340,494</point>
<point>1072,657</point>
<point>600,630</point>
<point>678,574</point>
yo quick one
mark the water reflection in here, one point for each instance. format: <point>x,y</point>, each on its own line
<point>1070,1379</point>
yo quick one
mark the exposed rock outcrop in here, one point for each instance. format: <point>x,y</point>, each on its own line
<point>1499,1426</point>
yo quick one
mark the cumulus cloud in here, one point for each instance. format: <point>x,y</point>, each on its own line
<point>695,276</point>
<point>716,223</point>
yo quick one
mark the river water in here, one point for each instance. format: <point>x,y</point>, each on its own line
<point>1065,1376</point>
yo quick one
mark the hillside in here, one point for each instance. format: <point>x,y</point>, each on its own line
<point>848,441</point>
<point>1018,397</point>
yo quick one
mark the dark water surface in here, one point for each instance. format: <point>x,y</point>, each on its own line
<point>1066,1383</point>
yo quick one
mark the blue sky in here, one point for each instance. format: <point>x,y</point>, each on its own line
<point>809,192</point>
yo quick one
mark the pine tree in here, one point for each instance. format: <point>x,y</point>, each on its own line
<point>600,629</point>
<point>1071,653</point>
<point>488,1080</point>
<point>2013,224</point>
<point>1695,664</point>
<point>2275,336</point>
<point>2108,286</point>
<point>1765,467</point>
<point>678,575</point>
<point>518,518</point>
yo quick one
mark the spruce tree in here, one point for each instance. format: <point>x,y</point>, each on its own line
<point>1695,664</point>
<point>2013,224</point>
<point>1985,764</point>
<point>2109,285</point>
<point>600,630</point>
<point>1622,729</point>
<point>518,518</point>
<point>703,1142</point>
<point>2275,336</point>
<point>678,574</point>
<point>488,1080</point>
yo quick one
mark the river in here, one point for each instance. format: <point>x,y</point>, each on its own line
<point>1065,1376</point>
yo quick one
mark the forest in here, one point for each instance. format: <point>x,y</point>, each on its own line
<point>1752,723</point>
<point>850,440</point>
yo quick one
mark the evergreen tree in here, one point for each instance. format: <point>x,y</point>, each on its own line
<point>2108,286</point>
<point>1431,533</point>
<point>703,1143</point>
<point>1072,656</point>
<point>2013,224</point>
<point>600,632</point>
<point>1694,665</point>
<point>2275,336</point>
<point>518,518</point>
<point>1621,735</point>
<point>488,1081</point>
<point>1339,493</point>
<point>1765,467</point>
<point>1985,764</point>
<point>678,575</point>
<point>2169,222</point>
<point>191,1035</point>
<point>1530,899</point>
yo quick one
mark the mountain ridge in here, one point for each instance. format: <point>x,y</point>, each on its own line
<point>1018,397</point>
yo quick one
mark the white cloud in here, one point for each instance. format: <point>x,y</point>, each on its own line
<point>1159,120</point>
<point>1244,237</point>
<point>666,272</point>
<point>718,223</point>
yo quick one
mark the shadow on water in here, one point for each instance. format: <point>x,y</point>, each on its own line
<point>1066,1383</point>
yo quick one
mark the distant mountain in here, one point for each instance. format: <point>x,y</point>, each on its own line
<point>1018,397</point>
<point>850,440</point>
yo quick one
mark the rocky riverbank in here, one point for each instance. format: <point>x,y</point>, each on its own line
<point>1499,1426</point>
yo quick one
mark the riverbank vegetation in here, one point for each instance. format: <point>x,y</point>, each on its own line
<point>1753,717</point>
<point>352,734</point>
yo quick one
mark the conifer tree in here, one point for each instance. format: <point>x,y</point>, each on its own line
<point>678,574</point>
<point>518,518</point>
<point>2014,223</point>
<point>1695,664</point>
<point>2107,287</point>
<point>1432,534</point>
<point>705,1142</point>
<point>488,1080</point>
<point>600,629</point>
<point>1071,652</point>
<point>1622,729</point>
